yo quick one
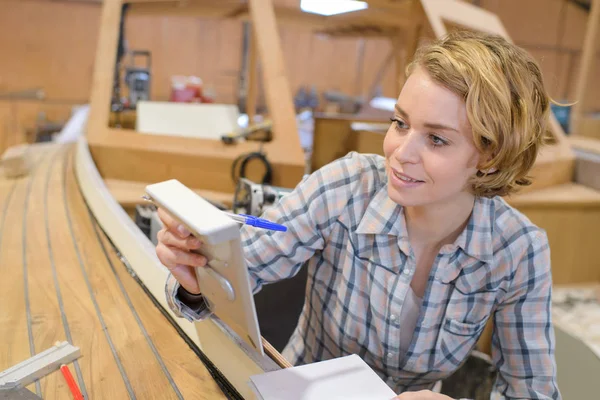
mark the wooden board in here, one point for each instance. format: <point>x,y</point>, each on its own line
<point>63,280</point>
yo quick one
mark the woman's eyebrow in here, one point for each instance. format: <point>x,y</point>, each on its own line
<point>430,125</point>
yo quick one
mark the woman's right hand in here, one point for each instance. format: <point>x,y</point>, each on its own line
<point>174,250</point>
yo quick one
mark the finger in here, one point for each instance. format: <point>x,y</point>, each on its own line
<point>172,224</point>
<point>187,258</point>
<point>170,256</point>
<point>186,276</point>
<point>167,238</point>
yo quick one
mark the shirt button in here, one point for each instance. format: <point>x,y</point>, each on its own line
<point>390,355</point>
<point>406,271</point>
<point>393,317</point>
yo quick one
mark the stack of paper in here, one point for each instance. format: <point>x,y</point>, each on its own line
<point>340,378</point>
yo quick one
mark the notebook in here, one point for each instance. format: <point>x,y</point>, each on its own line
<point>344,378</point>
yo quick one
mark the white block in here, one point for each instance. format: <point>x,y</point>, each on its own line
<point>196,120</point>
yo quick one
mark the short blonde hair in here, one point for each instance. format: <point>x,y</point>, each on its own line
<point>507,104</point>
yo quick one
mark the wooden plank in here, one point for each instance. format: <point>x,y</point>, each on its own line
<point>277,90</point>
<point>40,365</point>
<point>14,320</point>
<point>197,163</point>
<point>590,46</point>
<point>573,236</point>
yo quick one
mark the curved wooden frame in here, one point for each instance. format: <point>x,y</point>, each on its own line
<point>219,343</point>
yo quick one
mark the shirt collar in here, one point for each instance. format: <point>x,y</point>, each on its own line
<point>385,217</point>
<point>476,238</point>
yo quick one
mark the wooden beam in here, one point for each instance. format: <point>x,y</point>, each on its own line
<point>252,78</point>
<point>463,14</point>
<point>400,61</point>
<point>185,9</point>
<point>277,88</point>
<point>104,70</point>
<point>590,45</point>
<point>380,73</point>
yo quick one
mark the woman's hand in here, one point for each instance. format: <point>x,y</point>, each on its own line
<point>422,395</point>
<point>174,247</point>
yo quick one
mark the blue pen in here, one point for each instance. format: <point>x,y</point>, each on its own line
<point>257,222</point>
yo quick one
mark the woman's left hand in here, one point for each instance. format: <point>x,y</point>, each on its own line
<point>421,395</point>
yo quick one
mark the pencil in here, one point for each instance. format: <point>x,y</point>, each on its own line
<point>71,382</point>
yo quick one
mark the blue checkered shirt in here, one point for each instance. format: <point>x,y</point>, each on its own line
<point>353,239</point>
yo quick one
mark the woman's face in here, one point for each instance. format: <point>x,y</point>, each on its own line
<point>429,149</point>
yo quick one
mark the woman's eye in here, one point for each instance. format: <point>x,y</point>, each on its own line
<point>399,123</point>
<point>437,141</point>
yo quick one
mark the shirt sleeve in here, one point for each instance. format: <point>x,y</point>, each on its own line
<point>309,213</point>
<point>523,341</point>
<point>184,304</point>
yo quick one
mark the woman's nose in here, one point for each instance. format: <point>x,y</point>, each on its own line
<point>408,149</point>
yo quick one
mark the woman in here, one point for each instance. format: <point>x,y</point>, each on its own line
<point>409,255</point>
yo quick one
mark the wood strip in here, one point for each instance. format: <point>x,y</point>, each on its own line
<point>86,328</point>
<point>50,304</point>
<point>14,332</point>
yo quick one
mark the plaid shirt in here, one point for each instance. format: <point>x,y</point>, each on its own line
<point>353,239</point>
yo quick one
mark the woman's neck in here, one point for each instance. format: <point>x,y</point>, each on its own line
<point>435,225</point>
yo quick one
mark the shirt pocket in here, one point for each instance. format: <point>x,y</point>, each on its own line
<point>456,341</point>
